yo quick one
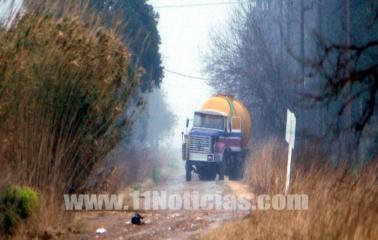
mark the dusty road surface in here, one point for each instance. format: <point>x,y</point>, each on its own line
<point>163,224</point>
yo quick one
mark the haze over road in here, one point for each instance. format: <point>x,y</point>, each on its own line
<point>184,35</point>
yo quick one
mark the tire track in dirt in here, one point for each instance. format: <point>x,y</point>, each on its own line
<point>164,224</point>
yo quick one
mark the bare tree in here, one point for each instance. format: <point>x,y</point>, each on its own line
<point>245,61</point>
<point>248,60</point>
<point>361,77</point>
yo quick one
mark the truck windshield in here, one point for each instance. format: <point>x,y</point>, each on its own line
<point>208,121</point>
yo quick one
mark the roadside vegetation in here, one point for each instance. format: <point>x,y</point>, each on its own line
<point>342,202</point>
<point>17,204</point>
<point>317,59</point>
<point>138,167</point>
<point>66,81</point>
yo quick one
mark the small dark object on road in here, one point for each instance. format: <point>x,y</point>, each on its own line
<point>137,219</point>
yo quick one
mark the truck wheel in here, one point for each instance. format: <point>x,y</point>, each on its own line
<point>212,174</point>
<point>226,160</point>
<point>221,170</point>
<point>232,174</point>
<point>207,173</point>
<point>188,171</point>
<point>233,167</point>
<point>241,168</point>
<point>203,174</point>
<point>236,169</point>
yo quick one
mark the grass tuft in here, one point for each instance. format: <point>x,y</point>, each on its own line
<point>17,204</point>
<point>342,201</point>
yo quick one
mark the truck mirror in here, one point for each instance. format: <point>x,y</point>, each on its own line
<point>187,122</point>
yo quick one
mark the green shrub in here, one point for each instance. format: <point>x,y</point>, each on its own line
<point>9,220</point>
<point>17,203</point>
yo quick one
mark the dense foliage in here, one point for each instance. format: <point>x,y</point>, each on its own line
<point>63,87</point>
<point>141,35</point>
<point>17,203</point>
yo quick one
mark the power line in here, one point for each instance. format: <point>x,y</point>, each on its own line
<point>184,87</point>
<point>196,5</point>
<point>186,75</point>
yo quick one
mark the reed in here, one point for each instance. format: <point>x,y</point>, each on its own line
<point>342,201</point>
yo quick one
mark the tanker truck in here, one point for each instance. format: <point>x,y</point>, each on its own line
<point>216,143</point>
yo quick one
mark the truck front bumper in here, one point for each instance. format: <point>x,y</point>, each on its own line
<point>201,157</point>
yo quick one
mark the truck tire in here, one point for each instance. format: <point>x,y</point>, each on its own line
<point>236,170</point>
<point>206,176</point>
<point>207,173</point>
<point>188,171</point>
<point>231,166</point>
<point>232,172</point>
<point>241,168</point>
<point>222,169</point>
<point>212,171</point>
<point>226,160</point>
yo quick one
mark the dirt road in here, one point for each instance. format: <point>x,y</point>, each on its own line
<point>163,224</point>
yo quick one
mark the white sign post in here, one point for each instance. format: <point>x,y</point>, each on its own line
<point>290,139</point>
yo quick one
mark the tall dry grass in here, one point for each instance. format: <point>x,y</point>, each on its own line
<point>343,202</point>
<point>65,81</point>
<point>138,166</point>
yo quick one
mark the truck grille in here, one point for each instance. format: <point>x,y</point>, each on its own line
<point>199,144</point>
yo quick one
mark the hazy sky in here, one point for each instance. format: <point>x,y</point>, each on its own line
<point>8,10</point>
<point>184,34</point>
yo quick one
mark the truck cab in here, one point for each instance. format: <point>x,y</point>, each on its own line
<point>211,145</point>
